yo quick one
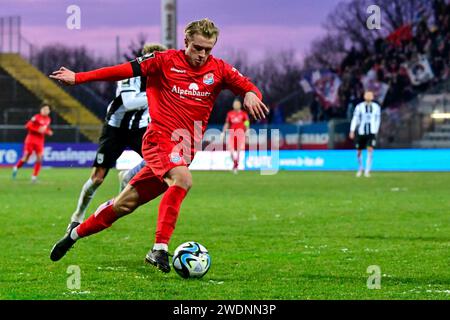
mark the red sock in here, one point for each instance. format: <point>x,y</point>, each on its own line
<point>37,168</point>
<point>168,213</point>
<point>103,218</point>
<point>20,164</point>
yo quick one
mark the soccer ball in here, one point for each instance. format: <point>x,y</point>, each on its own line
<point>191,260</point>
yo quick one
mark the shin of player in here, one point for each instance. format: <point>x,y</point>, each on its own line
<point>364,129</point>
<point>38,127</point>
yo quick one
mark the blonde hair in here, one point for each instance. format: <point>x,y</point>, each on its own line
<point>204,27</point>
<point>152,47</point>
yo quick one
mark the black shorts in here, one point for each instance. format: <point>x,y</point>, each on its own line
<point>365,141</point>
<point>113,142</point>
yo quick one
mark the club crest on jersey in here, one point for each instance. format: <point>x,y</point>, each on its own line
<point>208,79</point>
<point>100,158</point>
<point>175,158</point>
<point>145,57</point>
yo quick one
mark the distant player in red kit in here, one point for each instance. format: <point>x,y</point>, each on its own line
<point>182,86</point>
<point>38,127</point>
<point>237,122</point>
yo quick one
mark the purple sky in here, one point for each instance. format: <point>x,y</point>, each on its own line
<point>254,26</point>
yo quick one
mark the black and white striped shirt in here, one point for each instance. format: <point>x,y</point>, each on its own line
<point>366,118</point>
<point>129,110</point>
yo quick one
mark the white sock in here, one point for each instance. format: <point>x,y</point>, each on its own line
<point>360,163</point>
<point>161,246</point>
<point>86,195</point>
<point>74,235</point>
<point>132,172</point>
<point>368,162</point>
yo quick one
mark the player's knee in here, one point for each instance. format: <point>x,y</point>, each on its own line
<point>97,180</point>
<point>184,181</point>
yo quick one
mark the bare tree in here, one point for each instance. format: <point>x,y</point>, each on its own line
<point>326,52</point>
<point>95,95</point>
<point>135,47</point>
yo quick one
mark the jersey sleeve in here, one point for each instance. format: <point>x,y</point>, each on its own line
<point>142,66</point>
<point>32,126</point>
<point>148,64</point>
<point>355,118</point>
<point>113,73</point>
<point>377,120</point>
<point>238,83</point>
<point>227,119</point>
<point>134,101</point>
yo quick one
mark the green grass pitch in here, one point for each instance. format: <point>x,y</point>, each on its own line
<point>288,236</point>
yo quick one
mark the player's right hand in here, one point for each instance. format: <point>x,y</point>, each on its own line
<point>42,129</point>
<point>351,135</point>
<point>64,75</point>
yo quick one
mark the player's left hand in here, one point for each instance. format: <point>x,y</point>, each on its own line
<point>254,106</point>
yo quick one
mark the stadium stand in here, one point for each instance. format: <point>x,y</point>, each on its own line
<point>409,72</point>
<point>39,86</point>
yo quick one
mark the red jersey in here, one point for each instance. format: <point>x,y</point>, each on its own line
<point>38,121</point>
<point>237,119</point>
<point>178,94</point>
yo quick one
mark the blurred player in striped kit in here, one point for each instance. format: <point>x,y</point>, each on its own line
<point>364,129</point>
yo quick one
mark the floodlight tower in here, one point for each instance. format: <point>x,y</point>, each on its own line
<point>169,23</point>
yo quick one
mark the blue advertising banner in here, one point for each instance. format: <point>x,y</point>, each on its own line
<point>345,160</point>
<point>83,154</point>
<point>55,154</point>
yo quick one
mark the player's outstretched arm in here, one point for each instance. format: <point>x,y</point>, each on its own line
<point>114,73</point>
<point>255,106</point>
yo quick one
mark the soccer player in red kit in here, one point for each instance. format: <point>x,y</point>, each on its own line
<point>38,127</point>
<point>237,122</point>
<point>182,86</point>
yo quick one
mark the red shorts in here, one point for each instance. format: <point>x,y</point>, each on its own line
<point>236,141</point>
<point>31,147</point>
<point>161,154</point>
<point>148,185</point>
